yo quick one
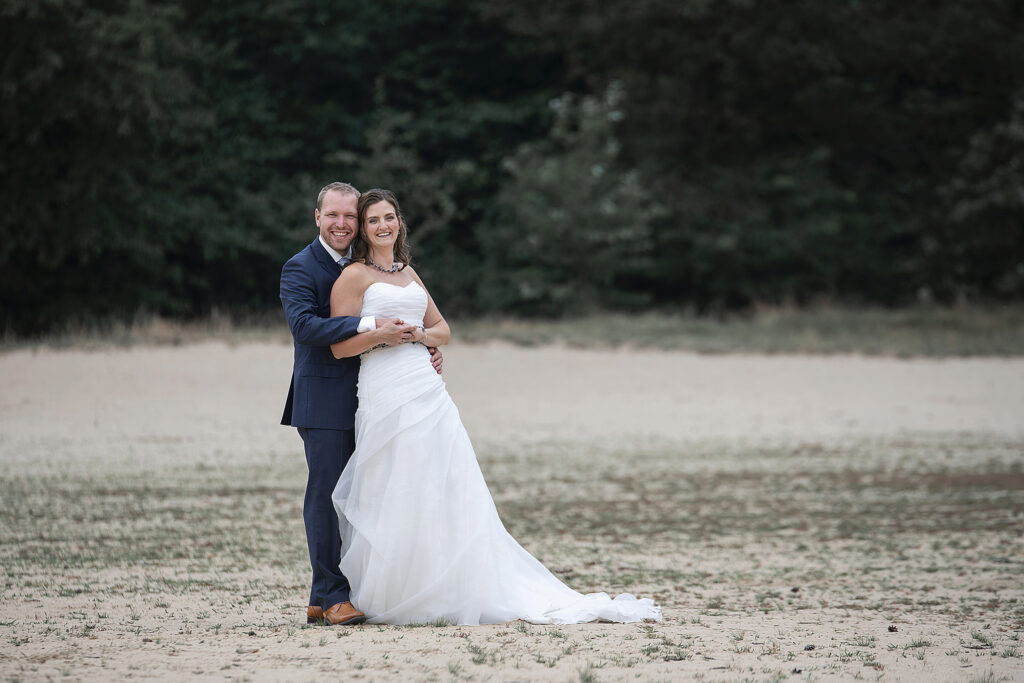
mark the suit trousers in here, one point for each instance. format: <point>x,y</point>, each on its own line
<point>327,453</point>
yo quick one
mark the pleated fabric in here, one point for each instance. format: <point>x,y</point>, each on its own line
<point>421,537</point>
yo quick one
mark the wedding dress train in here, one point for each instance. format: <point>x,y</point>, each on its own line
<point>421,537</point>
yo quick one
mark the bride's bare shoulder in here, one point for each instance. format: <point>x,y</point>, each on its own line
<point>354,277</point>
<point>414,274</point>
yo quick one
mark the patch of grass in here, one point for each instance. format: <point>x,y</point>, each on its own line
<point>922,331</point>
<point>988,677</point>
<point>588,674</point>
<point>549,662</point>
<point>440,622</point>
<point>917,331</point>
<point>982,638</point>
<point>651,650</point>
<point>151,330</point>
<point>482,655</point>
<point>715,603</point>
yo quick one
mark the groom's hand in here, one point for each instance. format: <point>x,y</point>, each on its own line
<point>391,330</point>
<point>435,358</point>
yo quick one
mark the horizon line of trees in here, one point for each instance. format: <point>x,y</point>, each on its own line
<point>551,158</point>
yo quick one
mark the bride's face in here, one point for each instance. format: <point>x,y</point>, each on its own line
<point>381,225</point>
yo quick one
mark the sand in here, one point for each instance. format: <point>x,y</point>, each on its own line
<point>769,503</point>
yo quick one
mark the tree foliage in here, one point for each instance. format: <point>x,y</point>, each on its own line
<point>571,227</point>
<point>551,157</point>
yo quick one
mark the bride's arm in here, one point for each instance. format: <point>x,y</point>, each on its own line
<point>346,297</point>
<point>435,330</point>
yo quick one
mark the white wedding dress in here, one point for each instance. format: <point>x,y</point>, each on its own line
<point>421,538</point>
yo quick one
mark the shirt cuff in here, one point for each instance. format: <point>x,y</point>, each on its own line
<point>367,324</point>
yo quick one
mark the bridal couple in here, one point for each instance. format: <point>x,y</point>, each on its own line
<point>400,525</point>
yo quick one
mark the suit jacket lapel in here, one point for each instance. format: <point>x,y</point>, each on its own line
<point>324,259</point>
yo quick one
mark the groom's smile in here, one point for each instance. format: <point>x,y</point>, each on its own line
<point>336,219</point>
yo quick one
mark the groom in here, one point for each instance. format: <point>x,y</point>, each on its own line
<point>322,397</point>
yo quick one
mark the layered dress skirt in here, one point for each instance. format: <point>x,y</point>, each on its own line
<point>421,537</point>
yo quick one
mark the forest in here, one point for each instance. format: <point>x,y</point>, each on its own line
<point>552,159</point>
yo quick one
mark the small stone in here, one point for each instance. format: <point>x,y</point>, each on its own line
<point>808,647</point>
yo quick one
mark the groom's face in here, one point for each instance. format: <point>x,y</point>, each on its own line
<point>336,219</point>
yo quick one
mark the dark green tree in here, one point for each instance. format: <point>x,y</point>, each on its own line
<point>571,227</point>
<point>98,113</point>
<point>165,156</point>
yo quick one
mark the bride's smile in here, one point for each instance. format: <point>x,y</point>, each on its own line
<point>382,225</point>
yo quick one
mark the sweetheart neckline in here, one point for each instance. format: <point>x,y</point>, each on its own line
<point>389,284</point>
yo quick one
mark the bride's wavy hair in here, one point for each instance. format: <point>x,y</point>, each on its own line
<point>360,246</point>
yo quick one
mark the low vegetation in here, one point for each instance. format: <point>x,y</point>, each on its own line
<point>933,331</point>
<point>881,559</point>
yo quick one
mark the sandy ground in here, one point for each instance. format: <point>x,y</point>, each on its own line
<point>788,512</point>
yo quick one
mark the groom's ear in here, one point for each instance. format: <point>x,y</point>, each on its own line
<point>316,217</point>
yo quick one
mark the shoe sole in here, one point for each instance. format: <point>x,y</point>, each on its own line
<point>348,622</point>
<point>351,622</point>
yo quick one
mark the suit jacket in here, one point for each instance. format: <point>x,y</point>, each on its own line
<point>322,394</point>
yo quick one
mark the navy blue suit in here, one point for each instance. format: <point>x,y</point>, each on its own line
<point>322,404</point>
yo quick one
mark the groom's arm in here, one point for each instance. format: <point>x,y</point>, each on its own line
<point>298,297</point>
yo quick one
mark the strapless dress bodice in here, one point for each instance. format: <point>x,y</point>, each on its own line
<point>385,300</point>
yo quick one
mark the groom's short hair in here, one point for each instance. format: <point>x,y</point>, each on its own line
<point>335,187</point>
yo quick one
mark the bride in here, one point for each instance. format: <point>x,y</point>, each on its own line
<point>421,537</point>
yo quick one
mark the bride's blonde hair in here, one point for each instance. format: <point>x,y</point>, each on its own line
<point>360,247</point>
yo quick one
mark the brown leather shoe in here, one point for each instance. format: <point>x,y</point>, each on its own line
<point>314,614</point>
<point>343,613</point>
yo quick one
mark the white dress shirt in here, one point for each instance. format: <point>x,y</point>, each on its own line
<point>367,323</point>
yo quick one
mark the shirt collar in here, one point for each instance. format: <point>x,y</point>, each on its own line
<point>335,255</point>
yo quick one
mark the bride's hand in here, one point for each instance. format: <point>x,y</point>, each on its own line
<point>392,333</point>
<point>416,334</point>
